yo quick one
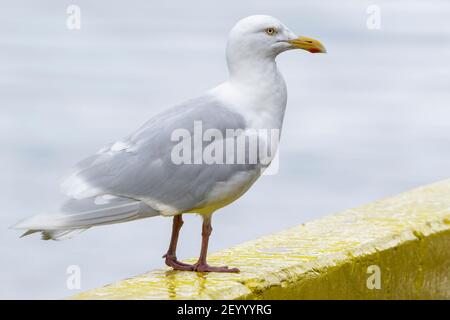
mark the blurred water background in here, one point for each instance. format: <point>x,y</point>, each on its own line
<point>366,121</point>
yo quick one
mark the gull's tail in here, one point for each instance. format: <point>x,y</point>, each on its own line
<point>75,216</point>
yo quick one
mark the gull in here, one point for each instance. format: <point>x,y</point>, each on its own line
<point>137,177</point>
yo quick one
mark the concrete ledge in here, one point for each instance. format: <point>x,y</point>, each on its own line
<point>397,248</point>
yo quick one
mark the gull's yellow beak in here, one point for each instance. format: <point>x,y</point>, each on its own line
<point>308,44</point>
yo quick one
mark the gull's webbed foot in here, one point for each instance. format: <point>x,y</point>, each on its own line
<point>172,261</point>
<point>204,267</point>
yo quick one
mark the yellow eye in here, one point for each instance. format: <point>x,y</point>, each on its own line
<point>271,31</point>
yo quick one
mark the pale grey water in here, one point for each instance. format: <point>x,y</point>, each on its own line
<point>368,120</point>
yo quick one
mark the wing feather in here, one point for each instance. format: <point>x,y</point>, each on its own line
<point>140,166</point>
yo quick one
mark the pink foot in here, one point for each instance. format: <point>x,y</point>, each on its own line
<point>172,261</point>
<point>207,268</point>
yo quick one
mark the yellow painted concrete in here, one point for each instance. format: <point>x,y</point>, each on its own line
<point>407,237</point>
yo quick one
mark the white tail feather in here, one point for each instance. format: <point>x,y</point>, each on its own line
<point>76,216</point>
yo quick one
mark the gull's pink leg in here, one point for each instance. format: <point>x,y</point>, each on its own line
<point>202,265</point>
<point>171,257</point>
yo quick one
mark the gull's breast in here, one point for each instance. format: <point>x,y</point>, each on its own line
<point>226,192</point>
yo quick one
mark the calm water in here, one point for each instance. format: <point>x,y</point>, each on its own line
<point>368,120</point>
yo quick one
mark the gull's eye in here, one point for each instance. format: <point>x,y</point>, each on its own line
<point>270,31</point>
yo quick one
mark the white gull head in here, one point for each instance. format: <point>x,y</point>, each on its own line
<point>258,39</point>
<point>255,88</point>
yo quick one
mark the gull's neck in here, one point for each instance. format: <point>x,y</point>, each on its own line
<point>249,70</point>
<point>257,90</point>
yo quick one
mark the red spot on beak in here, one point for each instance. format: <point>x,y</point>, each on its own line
<point>314,50</point>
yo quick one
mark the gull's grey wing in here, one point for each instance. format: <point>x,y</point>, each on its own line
<point>140,166</point>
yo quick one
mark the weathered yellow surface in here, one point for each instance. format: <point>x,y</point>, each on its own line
<point>406,236</point>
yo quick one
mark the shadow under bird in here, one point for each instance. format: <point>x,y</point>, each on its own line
<point>137,178</point>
